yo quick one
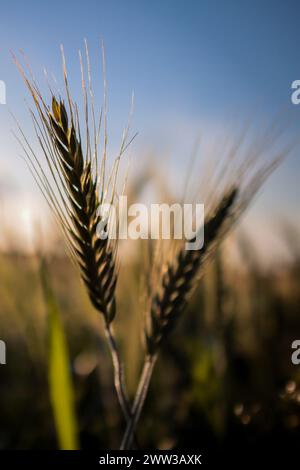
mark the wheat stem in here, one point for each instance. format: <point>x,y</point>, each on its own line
<point>139,401</point>
<point>119,380</point>
<point>119,377</point>
<point>73,194</point>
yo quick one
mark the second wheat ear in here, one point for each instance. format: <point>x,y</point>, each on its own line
<point>173,284</point>
<point>177,282</point>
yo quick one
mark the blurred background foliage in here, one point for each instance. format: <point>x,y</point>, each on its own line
<point>224,377</point>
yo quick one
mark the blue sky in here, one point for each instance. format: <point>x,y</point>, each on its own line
<point>193,65</point>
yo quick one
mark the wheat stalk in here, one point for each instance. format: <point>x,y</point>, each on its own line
<point>173,283</point>
<point>95,256</point>
<point>74,191</point>
<point>168,303</point>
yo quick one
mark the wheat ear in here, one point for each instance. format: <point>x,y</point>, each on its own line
<point>95,256</point>
<point>180,276</point>
<point>70,185</point>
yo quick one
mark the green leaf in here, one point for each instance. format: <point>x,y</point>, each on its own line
<point>59,375</point>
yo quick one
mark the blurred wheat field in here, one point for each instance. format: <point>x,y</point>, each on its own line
<point>225,372</point>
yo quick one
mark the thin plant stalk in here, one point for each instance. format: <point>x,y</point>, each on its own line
<point>139,400</point>
<point>70,184</point>
<point>118,367</point>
